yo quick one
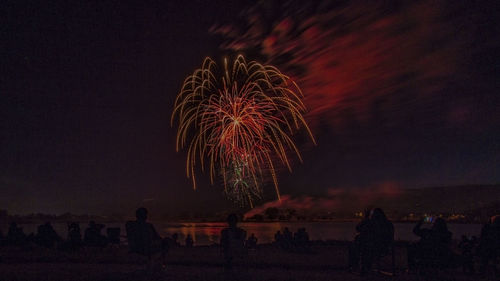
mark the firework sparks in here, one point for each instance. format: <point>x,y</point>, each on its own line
<point>238,121</point>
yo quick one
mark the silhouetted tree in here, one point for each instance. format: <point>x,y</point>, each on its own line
<point>272,213</point>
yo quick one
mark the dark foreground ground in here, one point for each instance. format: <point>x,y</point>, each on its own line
<point>322,262</point>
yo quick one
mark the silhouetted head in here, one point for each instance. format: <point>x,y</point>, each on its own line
<point>367,213</point>
<point>74,226</point>
<point>440,225</point>
<point>378,215</point>
<point>232,220</point>
<point>141,214</point>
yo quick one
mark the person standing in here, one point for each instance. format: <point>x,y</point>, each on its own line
<point>233,242</point>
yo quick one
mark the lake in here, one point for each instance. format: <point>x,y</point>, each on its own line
<point>208,233</point>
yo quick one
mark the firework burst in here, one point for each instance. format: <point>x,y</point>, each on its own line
<point>238,120</point>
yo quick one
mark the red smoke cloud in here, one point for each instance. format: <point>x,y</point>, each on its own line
<point>347,57</point>
<point>336,200</point>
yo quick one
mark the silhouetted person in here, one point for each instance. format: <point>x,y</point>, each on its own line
<point>113,235</point>
<point>189,241</point>
<point>46,236</point>
<point>278,238</point>
<point>175,238</point>
<point>142,236</point>
<point>489,243</point>
<point>3,239</point>
<point>232,241</point>
<point>251,242</point>
<point>172,241</point>
<point>74,241</point>
<point>15,235</point>
<point>93,236</point>
<point>301,238</point>
<point>382,232</point>
<point>373,241</point>
<point>304,235</point>
<point>433,249</point>
<point>466,246</point>
<point>296,237</point>
<point>361,240</point>
<point>287,238</point>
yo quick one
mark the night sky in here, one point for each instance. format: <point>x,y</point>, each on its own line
<point>87,90</point>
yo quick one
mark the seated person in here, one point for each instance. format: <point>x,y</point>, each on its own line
<point>175,237</point>
<point>74,241</point>
<point>466,247</point>
<point>232,241</point>
<point>374,238</point>
<point>489,242</point>
<point>278,239</point>
<point>15,235</point>
<point>433,248</point>
<point>93,236</point>
<point>301,238</point>
<point>189,241</point>
<point>46,236</point>
<point>142,236</point>
<point>287,238</point>
<point>113,235</point>
<point>251,242</point>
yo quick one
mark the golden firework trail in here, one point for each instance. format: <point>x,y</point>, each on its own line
<point>238,121</point>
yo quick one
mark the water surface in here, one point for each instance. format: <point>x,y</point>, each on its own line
<point>208,233</point>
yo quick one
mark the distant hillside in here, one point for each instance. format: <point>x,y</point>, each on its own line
<point>467,200</point>
<point>485,211</point>
<point>448,199</point>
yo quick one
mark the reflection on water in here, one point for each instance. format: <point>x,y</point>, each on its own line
<point>209,233</point>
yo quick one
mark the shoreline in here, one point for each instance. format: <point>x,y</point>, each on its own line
<point>321,262</point>
<point>153,221</point>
